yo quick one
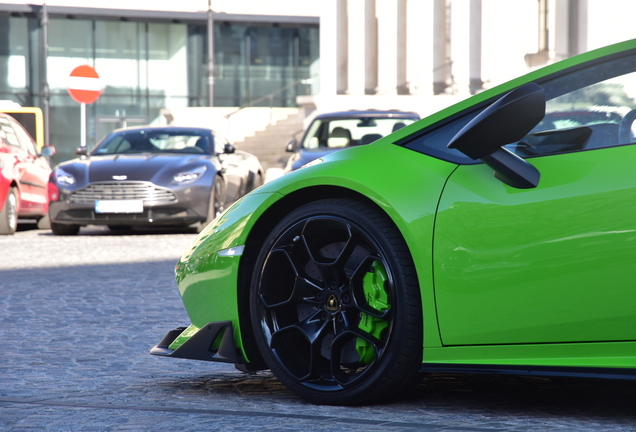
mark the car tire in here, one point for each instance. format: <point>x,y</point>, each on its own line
<point>64,230</point>
<point>335,304</point>
<point>9,213</point>
<point>217,202</point>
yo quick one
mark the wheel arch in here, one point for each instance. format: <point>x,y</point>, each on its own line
<point>257,236</point>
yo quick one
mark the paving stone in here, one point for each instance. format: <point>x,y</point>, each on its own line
<point>79,314</point>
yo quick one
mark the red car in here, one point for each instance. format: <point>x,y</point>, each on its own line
<point>24,175</point>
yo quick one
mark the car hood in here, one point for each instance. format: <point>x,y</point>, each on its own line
<point>303,156</point>
<point>158,169</point>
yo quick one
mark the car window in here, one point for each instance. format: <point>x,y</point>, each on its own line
<point>8,133</point>
<point>344,132</point>
<point>588,107</point>
<point>116,145</point>
<point>154,141</point>
<point>593,116</point>
<point>26,142</point>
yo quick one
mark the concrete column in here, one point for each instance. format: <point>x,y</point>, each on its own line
<point>401,63</point>
<point>441,46</point>
<point>577,27</point>
<point>341,41</point>
<point>419,30</point>
<point>542,56</point>
<point>559,26</point>
<point>370,48</point>
<point>476,82</point>
<point>329,68</point>
<point>387,41</point>
<point>356,46</point>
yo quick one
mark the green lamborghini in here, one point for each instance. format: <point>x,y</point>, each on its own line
<point>495,236</point>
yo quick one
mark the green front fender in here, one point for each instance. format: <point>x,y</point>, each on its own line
<point>208,273</point>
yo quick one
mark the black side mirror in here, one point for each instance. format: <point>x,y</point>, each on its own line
<point>506,121</point>
<point>81,151</point>
<point>229,149</point>
<point>291,145</point>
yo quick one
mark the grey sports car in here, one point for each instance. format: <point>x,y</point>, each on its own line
<point>148,175</point>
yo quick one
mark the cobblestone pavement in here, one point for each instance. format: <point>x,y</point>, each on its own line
<point>78,316</point>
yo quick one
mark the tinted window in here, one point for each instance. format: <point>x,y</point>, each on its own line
<point>155,141</point>
<point>25,140</point>
<point>7,133</point>
<point>344,132</point>
<point>586,108</point>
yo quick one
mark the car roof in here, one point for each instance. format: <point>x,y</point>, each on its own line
<point>163,128</point>
<point>370,113</point>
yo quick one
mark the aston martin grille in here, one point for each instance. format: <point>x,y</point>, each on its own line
<point>129,190</point>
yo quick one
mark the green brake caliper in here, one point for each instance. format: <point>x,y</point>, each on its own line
<point>374,287</point>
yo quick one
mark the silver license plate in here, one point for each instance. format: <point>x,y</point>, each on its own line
<point>119,206</point>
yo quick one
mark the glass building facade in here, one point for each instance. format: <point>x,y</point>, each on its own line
<point>145,66</point>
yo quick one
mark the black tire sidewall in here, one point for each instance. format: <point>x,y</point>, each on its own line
<point>64,230</point>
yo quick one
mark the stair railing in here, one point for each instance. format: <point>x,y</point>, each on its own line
<point>270,97</point>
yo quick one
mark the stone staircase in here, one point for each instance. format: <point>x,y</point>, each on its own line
<point>269,144</point>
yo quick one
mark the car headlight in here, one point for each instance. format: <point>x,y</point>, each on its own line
<point>189,176</point>
<point>64,178</point>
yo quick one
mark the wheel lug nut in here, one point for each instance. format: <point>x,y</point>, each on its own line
<point>333,285</point>
<point>346,298</point>
<point>340,318</point>
<point>323,316</point>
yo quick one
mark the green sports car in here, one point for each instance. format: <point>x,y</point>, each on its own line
<point>498,235</point>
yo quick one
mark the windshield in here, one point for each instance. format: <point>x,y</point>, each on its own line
<point>155,141</point>
<point>344,132</point>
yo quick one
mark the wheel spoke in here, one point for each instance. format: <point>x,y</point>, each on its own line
<point>303,291</point>
<point>311,327</point>
<point>378,344</point>
<point>282,285</point>
<point>299,347</point>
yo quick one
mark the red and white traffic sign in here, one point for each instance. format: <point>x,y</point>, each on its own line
<point>84,84</point>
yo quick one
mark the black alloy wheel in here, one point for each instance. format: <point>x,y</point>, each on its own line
<point>335,304</point>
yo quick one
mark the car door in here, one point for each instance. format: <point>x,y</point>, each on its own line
<point>19,162</point>
<point>34,171</point>
<point>554,263</point>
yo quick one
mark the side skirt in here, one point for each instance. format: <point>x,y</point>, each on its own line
<point>563,371</point>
